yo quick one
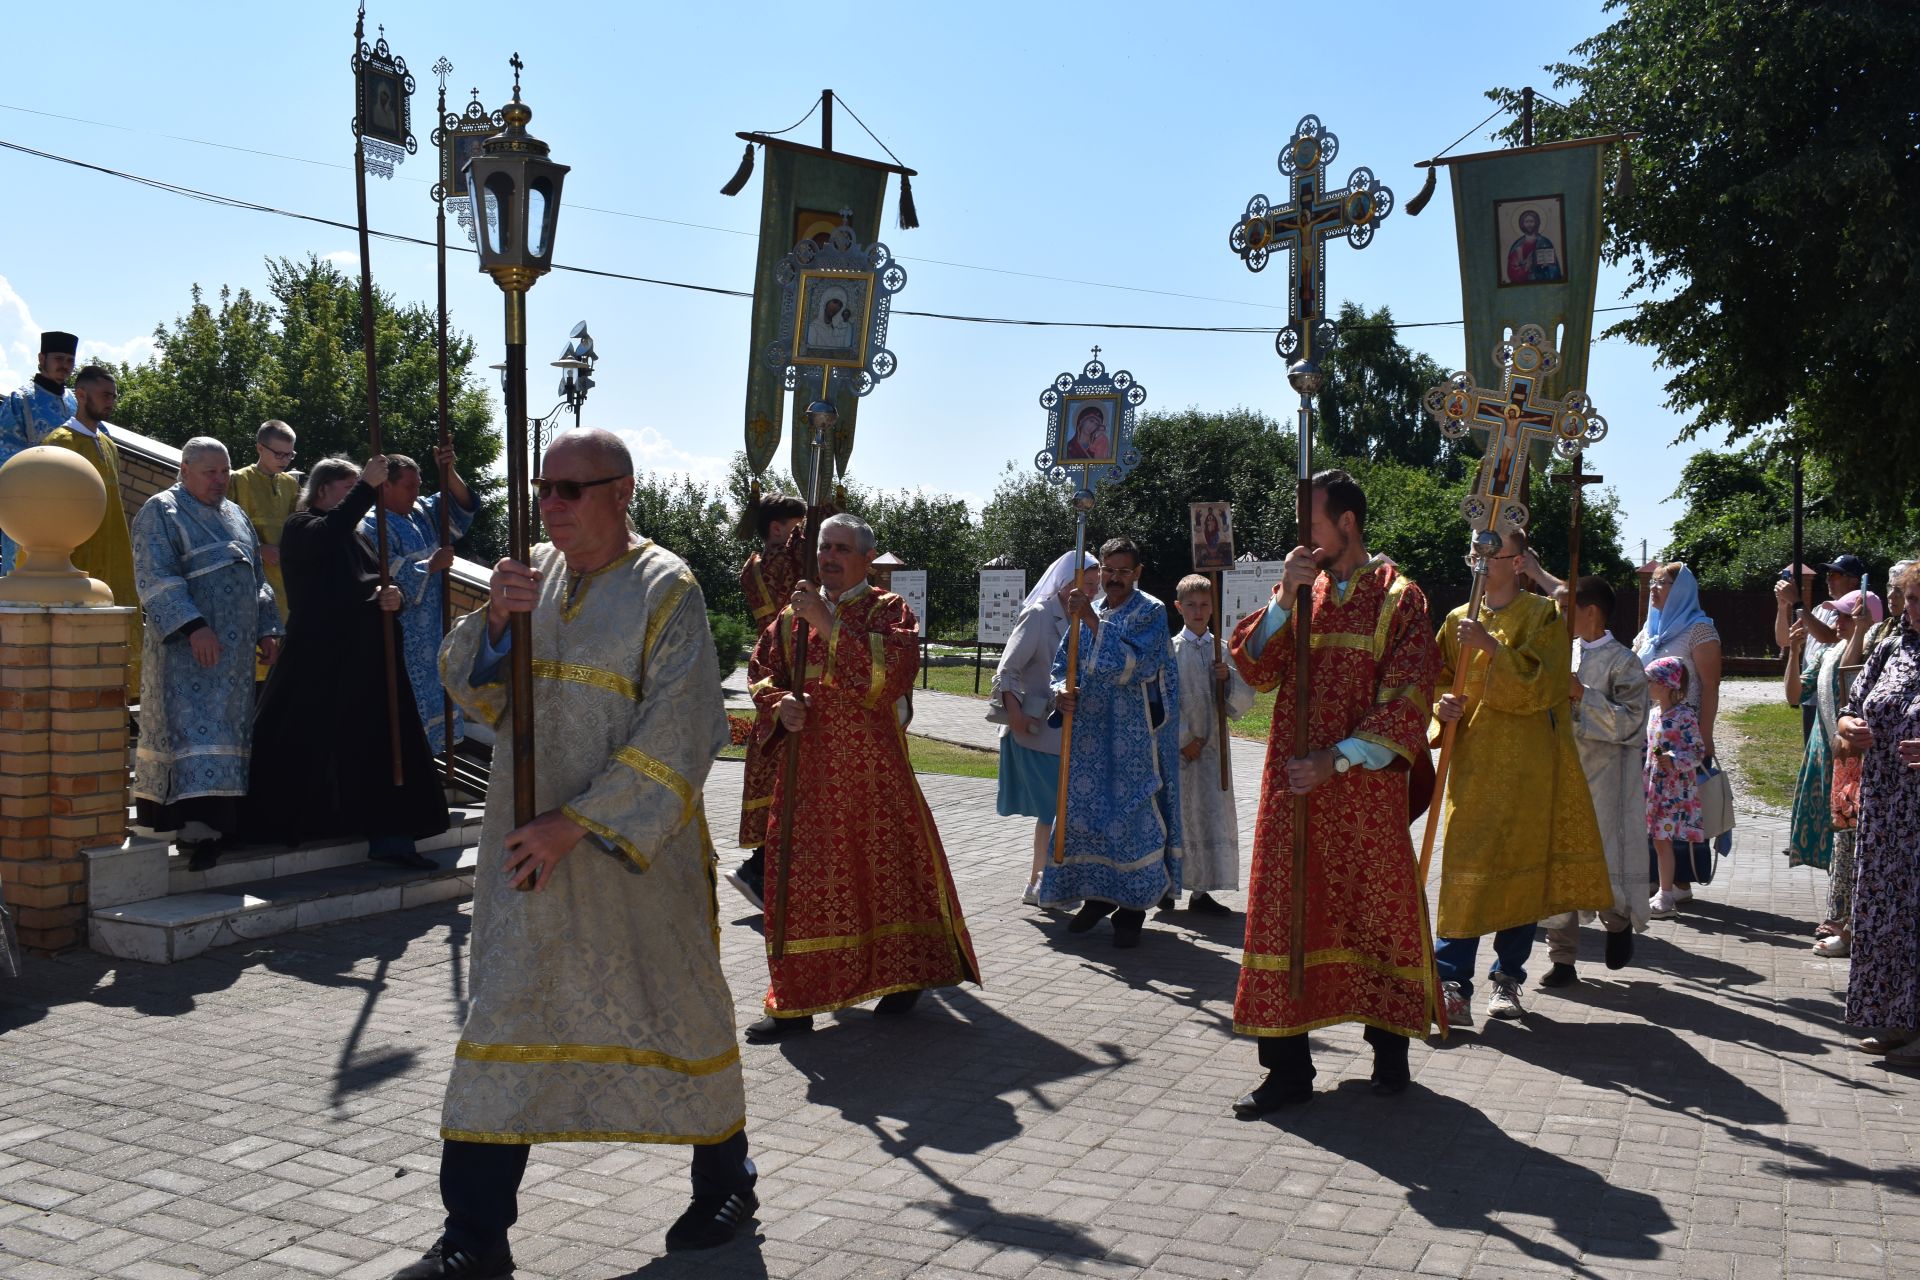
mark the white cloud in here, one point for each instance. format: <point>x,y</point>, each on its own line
<point>653,451</point>
<point>20,342</point>
<point>349,258</point>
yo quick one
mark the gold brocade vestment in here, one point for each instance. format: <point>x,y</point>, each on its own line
<point>108,554</point>
<point>600,1013</point>
<point>268,500</point>
<point>1521,840</point>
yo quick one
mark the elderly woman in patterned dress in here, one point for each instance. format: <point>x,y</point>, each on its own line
<point>1882,721</point>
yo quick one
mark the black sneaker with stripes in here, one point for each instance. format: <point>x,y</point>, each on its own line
<point>712,1220</point>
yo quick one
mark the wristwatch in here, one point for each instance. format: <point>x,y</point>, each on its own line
<point>1340,762</point>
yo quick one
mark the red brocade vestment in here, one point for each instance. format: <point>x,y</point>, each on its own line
<point>871,905</point>
<point>1369,952</point>
<point>768,582</point>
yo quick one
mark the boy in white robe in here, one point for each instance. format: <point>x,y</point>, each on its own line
<point>1206,811</point>
<point>1609,703</point>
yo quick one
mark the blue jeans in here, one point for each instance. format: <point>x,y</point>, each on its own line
<point>1454,957</point>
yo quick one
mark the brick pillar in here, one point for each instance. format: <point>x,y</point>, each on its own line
<point>63,761</point>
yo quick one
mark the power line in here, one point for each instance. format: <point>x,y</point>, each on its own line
<point>251,206</point>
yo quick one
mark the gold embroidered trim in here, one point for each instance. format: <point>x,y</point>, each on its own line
<point>598,677</point>
<point>1412,693</point>
<point>829,677</point>
<point>1331,955</point>
<point>1383,741</point>
<point>1251,1029</point>
<point>1339,640</point>
<point>569,603</point>
<point>591,1135</point>
<point>844,941</point>
<point>647,766</point>
<point>608,834</point>
<point>862,998</point>
<point>614,1054</point>
<point>1387,607</point>
<point>878,681</point>
<point>659,617</point>
<point>764,802</point>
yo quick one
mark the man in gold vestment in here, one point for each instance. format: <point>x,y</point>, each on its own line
<point>600,1013</point>
<point>268,492</point>
<point>1521,840</point>
<point>108,554</point>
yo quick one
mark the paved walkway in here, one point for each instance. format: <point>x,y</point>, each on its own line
<point>270,1111</point>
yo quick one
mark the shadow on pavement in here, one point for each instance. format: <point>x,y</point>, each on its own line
<point>1462,1173</point>
<point>938,1082</point>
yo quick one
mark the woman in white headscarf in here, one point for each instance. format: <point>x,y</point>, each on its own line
<point>1022,693</point>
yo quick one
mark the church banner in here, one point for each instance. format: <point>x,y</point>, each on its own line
<point>1528,222</point>
<point>806,194</point>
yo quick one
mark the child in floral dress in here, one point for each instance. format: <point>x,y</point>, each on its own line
<point>1674,756</point>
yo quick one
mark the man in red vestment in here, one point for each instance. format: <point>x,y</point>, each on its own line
<point>1368,954</point>
<point>767,579</point>
<point>870,906</point>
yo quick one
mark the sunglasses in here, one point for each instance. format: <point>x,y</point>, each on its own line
<point>567,490</point>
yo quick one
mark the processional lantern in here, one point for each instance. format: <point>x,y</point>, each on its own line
<point>515,188</point>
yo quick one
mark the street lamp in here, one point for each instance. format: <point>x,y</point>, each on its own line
<point>516,209</point>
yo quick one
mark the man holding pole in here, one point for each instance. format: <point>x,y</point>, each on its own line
<point>864,906</point>
<point>1122,848</point>
<point>1521,840</point>
<point>600,1012</point>
<point>417,563</point>
<point>1372,676</point>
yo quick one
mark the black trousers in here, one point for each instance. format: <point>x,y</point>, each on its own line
<point>1290,1058</point>
<point>480,1184</point>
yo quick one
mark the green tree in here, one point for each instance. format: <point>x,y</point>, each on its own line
<point>1370,407</point>
<point>1773,224</point>
<point>223,371</point>
<point>1736,531</point>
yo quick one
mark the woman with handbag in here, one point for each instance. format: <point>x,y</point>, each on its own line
<point>1021,700</point>
<point>1677,627</point>
<point>1881,721</point>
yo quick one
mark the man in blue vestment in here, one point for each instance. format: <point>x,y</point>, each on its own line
<point>417,564</point>
<point>1122,852</point>
<point>37,409</point>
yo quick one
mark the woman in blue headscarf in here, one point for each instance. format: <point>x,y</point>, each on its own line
<point>1677,627</point>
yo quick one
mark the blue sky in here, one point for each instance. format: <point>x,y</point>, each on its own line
<point>1078,162</point>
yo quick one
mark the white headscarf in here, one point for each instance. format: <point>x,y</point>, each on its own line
<point>1055,580</point>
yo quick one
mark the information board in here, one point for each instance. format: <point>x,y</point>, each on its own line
<point>911,585</point>
<point>1001,591</point>
<point>1245,588</point>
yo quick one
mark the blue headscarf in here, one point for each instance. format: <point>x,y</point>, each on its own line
<point>1676,617</point>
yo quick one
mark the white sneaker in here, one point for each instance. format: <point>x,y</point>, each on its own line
<point>1660,906</point>
<point>1505,1001</point>
<point>1683,893</point>
<point>1459,1009</point>
<point>1833,948</point>
<point>1031,898</point>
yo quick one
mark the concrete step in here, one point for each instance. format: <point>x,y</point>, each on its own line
<point>177,926</point>
<point>260,862</point>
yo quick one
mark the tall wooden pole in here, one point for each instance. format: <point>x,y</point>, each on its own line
<point>802,637</point>
<point>387,622</point>
<point>446,438</point>
<point>519,546</point>
<point>1220,693</point>
<point>1302,683</point>
<point>1461,660</point>
<point>1082,503</point>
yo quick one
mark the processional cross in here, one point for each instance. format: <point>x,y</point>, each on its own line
<point>1312,216</point>
<point>1578,479</point>
<point>1511,418</point>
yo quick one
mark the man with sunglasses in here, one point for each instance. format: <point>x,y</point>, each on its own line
<point>268,491</point>
<point>600,1013</point>
<point>1522,843</point>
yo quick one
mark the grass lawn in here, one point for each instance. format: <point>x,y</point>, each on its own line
<point>928,756</point>
<point>1770,752</point>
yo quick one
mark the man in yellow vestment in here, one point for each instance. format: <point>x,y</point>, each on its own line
<point>268,492</point>
<point>1521,840</point>
<point>108,554</point>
